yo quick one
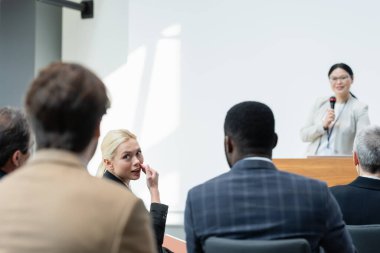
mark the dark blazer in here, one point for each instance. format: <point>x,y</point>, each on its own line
<point>359,201</point>
<point>158,212</point>
<point>254,200</point>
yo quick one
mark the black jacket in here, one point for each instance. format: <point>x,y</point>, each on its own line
<point>359,201</point>
<point>158,213</point>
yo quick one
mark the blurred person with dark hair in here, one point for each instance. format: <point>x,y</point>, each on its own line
<point>255,200</point>
<point>360,199</point>
<point>15,140</point>
<point>56,205</point>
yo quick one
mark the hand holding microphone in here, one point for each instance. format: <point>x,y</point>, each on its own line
<point>332,102</point>
<point>330,115</point>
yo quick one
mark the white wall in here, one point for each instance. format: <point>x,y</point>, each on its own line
<point>173,69</point>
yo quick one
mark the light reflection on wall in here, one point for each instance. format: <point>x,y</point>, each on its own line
<point>162,111</point>
<point>124,88</point>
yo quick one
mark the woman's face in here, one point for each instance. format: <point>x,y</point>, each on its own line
<point>127,161</point>
<point>340,82</point>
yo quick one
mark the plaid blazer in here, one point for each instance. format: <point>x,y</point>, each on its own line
<point>254,200</point>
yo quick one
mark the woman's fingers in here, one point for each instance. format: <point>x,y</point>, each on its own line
<point>150,173</point>
<point>145,168</point>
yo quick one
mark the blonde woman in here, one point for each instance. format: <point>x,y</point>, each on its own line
<point>122,161</point>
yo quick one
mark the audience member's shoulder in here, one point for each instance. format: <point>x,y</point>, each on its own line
<point>337,189</point>
<point>108,187</point>
<point>73,182</point>
<point>302,179</point>
<point>208,184</point>
<point>107,193</point>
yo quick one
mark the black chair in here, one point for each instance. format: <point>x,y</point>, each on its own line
<point>224,245</point>
<point>366,238</point>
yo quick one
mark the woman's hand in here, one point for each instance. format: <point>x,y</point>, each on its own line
<point>152,182</point>
<point>330,117</point>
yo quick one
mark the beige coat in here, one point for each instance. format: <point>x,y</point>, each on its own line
<point>53,205</point>
<point>354,118</point>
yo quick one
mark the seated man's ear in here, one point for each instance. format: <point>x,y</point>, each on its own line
<point>97,130</point>
<point>228,146</point>
<point>275,140</point>
<point>16,158</point>
<point>356,159</point>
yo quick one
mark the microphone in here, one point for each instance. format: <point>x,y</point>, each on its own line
<point>332,102</point>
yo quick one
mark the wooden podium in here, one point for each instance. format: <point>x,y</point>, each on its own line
<point>332,170</point>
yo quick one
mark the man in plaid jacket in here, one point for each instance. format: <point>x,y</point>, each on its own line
<point>254,200</point>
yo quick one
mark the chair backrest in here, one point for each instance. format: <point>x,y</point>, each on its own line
<point>225,245</point>
<point>366,238</point>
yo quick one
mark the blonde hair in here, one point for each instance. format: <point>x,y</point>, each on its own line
<point>110,143</point>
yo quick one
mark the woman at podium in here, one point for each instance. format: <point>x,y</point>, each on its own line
<point>334,121</point>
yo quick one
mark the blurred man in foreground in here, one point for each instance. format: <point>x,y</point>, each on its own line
<point>55,205</point>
